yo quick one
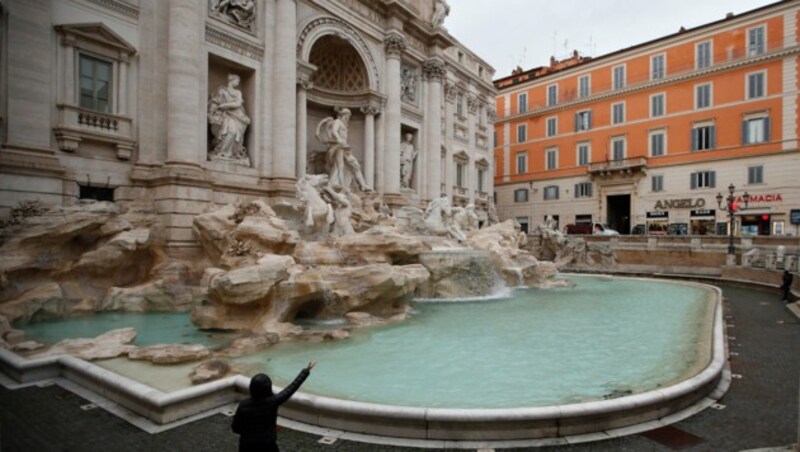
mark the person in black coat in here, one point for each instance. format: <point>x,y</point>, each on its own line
<point>256,418</point>
<point>787,285</point>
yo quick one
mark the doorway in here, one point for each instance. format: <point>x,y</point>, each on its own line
<point>618,214</point>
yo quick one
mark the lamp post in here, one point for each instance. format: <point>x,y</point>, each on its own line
<point>731,207</point>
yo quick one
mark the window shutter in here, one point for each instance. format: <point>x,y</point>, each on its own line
<point>712,137</point>
<point>577,122</point>
<point>744,132</point>
<point>590,119</point>
<point>589,190</point>
<point>556,190</point>
<point>576,189</point>
<point>694,138</point>
<point>712,179</point>
<point>766,129</point>
<point>653,184</point>
<point>694,181</point>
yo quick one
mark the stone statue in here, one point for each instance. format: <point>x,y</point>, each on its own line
<point>438,219</point>
<point>238,12</point>
<point>465,218</point>
<point>343,210</point>
<point>492,216</point>
<point>440,10</point>
<point>408,84</point>
<point>407,156</point>
<point>318,214</point>
<point>343,167</point>
<point>228,122</point>
<point>550,223</point>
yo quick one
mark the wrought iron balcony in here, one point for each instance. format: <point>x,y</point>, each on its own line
<point>630,166</point>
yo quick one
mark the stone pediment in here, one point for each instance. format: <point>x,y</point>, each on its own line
<point>97,33</point>
<point>482,161</point>
<point>461,155</point>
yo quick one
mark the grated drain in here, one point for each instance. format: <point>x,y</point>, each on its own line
<point>327,440</point>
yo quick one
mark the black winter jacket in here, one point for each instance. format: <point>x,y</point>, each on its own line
<point>256,419</point>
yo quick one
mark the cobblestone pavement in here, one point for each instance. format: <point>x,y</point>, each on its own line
<point>761,407</point>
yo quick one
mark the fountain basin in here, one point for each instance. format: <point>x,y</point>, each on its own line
<point>419,422</point>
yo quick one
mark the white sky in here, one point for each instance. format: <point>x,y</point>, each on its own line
<point>507,33</point>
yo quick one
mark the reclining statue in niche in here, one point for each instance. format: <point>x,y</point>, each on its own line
<point>343,167</point>
<point>228,122</point>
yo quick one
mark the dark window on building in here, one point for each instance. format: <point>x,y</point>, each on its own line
<point>98,193</point>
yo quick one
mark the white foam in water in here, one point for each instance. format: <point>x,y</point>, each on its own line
<point>504,293</point>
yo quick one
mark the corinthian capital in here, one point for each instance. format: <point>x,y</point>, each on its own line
<point>395,44</point>
<point>434,69</point>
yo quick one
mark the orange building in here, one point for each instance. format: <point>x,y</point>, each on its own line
<point>651,134</point>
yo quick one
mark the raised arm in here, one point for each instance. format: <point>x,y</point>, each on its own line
<point>295,385</point>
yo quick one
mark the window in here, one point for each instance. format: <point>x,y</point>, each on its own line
<point>551,157</point>
<point>703,137</point>
<point>521,195</point>
<point>552,126</point>
<point>618,113</point>
<point>618,148</point>
<point>460,105</point>
<point>522,103</point>
<point>756,85</point>
<point>95,84</point>
<point>703,55</point>
<point>657,105</point>
<point>702,96</point>
<point>522,163</point>
<point>523,224</point>
<point>551,192</point>
<point>481,179</point>
<point>657,183</point>
<point>98,193</point>
<point>703,179</point>
<point>584,86</point>
<point>618,76</point>
<point>658,143</point>
<point>522,133</point>
<point>755,175</point>
<point>756,45</point>
<point>658,67</point>
<point>755,130</point>
<point>583,190</point>
<point>583,120</point>
<point>552,95</point>
<point>460,173</point>
<point>583,154</point>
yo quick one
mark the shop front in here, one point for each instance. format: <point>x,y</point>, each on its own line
<point>702,222</point>
<point>763,215</point>
<point>657,222</point>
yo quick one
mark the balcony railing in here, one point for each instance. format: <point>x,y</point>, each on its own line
<point>621,165</point>
<point>77,124</point>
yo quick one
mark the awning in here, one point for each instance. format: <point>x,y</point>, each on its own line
<point>758,211</point>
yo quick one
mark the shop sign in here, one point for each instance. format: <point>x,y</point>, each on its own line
<point>794,216</point>
<point>703,213</point>
<point>687,203</point>
<point>658,214</point>
<point>776,197</point>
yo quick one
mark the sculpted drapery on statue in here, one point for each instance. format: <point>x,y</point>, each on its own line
<point>407,156</point>
<point>343,167</point>
<point>228,121</point>
<point>440,10</point>
<point>239,12</point>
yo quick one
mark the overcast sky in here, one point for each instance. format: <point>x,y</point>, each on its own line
<point>507,33</point>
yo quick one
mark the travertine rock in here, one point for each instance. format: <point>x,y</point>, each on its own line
<point>364,319</point>
<point>458,273</point>
<point>250,344</point>
<point>573,252</point>
<point>27,346</point>
<point>170,353</point>
<point>381,244</point>
<point>115,254</point>
<point>209,371</point>
<point>156,296</point>
<point>44,301</point>
<point>249,284</point>
<point>516,266</point>
<point>107,345</point>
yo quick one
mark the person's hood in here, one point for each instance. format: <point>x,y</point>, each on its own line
<point>260,386</point>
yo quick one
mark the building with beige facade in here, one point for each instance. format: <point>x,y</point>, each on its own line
<point>651,134</point>
<point>186,104</point>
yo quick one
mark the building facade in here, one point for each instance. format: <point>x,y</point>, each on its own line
<point>187,104</point>
<point>651,134</point>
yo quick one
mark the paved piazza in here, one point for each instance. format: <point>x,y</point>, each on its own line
<point>760,408</point>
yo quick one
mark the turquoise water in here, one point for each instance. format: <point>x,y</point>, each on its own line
<point>152,328</point>
<point>602,338</point>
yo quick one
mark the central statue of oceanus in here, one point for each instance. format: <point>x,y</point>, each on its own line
<point>342,166</point>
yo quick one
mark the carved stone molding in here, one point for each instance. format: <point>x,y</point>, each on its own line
<point>395,45</point>
<point>472,104</point>
<point>120,7</point>
<point>305,83</point>
<point>370,110</point>
<point>228,41</point>
<point>434,70</point>
<point>450,92</point>
<point>409,81</point>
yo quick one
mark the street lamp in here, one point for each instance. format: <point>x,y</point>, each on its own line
<point>731,207</point>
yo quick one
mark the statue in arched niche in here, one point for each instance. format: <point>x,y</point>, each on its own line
<point>343,167</point>
<point>228,121</point>
<point>407,156</point>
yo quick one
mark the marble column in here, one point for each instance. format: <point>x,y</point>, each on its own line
<point>183,84</point>
<point>264,157</point>
<point>303,85</point>
<point>380,152</point>
<point>369,143</point>
<point>122,89</point>
<point>433,71</point>
<point>395,46</point>
<point>284,80</point>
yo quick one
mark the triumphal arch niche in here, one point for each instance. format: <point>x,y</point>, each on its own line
<point>338,82</point>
